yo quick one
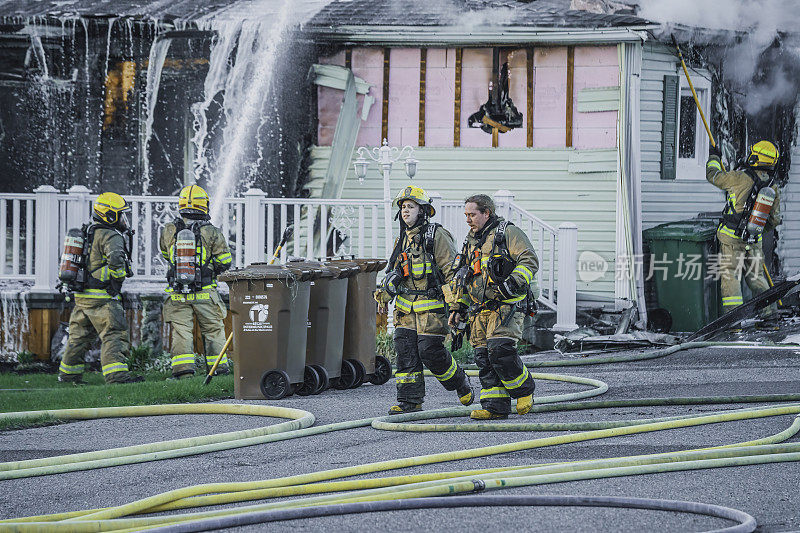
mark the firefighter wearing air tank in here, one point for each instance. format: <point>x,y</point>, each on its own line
<point>94,265</point>
<point>751,208</point>
<point>197,252</point>
<point>421,263</point>
<point>492,287</point>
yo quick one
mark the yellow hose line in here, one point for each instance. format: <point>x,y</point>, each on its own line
<point>299,427</point>
<point>421,485</point>
<point>317,488</point>
<point>299,419</point>
<point>571,468</point>
<point>149,503</point>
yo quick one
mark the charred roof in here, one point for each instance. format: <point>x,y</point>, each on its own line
<point>535,13</point>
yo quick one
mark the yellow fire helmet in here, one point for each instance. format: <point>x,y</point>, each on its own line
<point>193,200</point>
<point>764,155</point>
<point>109,208</point>
<point>415,194</point>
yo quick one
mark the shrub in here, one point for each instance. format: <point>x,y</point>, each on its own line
<point>139,356</point>
<point>25,357</point>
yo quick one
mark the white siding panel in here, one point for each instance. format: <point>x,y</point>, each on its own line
<point>788,247</point>
<point>539,179</point>
<point>665,200</point>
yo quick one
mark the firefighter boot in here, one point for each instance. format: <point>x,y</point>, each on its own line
<point>524,404</point>
<point>405,407</point>
<point>465,394</point>
<point>485,414</point>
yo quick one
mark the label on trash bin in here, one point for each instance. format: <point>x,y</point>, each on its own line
<point>258,314</point>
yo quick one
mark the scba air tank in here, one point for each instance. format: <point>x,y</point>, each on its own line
<point>72,257</point>
<point>761,210</point>
<point>185,257</point>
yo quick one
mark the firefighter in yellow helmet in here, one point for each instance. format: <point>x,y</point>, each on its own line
<point>98,303</point>
<point>197,252</point>
<point>495,270</point>
<point>420,265</point>
<point>747,192</point>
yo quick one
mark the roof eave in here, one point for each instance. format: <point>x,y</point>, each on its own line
<point>456,36</point>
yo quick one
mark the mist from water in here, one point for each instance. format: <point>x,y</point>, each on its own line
<point>761,73</point>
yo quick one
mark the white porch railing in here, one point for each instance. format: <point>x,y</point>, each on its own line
<point>34,226</point>
<point>548,242</point>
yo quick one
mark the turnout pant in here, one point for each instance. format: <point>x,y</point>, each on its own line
<point>736,261</point>
<point>503,375</point>
<point>210,311</point>
<point>418,340</point>
<point>107,318</point>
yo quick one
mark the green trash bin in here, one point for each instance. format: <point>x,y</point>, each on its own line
<point>681,254</point>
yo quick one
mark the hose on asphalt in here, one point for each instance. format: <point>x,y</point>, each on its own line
<point>770,449</point>
<point>111,519</point>
<point>744,522</point>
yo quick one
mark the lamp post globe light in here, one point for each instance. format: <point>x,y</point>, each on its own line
<point>385,156</point>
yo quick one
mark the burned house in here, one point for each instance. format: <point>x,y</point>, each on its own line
<point>129,97</point>
<point>578,110</point>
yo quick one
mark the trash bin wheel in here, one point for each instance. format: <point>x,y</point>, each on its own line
<point>383,371</point>
<point>275,385</point>
<point>324,380</point>
<point>347,377</point>
<point>361,373</point>
<point>311,382</point>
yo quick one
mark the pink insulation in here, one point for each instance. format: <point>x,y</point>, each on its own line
<point>595,66</point>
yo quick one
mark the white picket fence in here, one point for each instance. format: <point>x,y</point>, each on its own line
<point>34,226</point>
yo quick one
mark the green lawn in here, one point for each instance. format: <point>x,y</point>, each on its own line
<point>35,392</point>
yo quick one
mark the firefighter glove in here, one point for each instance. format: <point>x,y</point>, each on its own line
<point>455,319</point>
<point>391,283</point>
<point>114,287</point>
<point>507,289</point>
<point>382,297</point>
<point>462,277</point>
<point>714,150</point>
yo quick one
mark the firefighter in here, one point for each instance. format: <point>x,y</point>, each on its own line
<point>208,256</point>
<point>98,302</point>
<point>420,265</point>
<point>492,285</point>
<point>739,240</point>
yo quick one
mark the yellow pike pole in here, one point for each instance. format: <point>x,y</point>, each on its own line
<point>769,280</point>
<point>286,234</point>
<point>694,93</point>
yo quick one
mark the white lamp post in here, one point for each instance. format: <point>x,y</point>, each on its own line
<point>384,157</point>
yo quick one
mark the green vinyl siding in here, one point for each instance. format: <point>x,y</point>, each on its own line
<point>665,200</point>
<point>540,179</point>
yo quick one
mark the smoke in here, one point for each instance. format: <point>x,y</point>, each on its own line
<point>761,63</point>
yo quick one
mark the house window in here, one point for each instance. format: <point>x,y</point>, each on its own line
<point>692,142</point>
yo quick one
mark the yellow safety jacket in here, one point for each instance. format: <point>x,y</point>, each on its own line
<point>108,260</point>
<point>479,248</point>
<point>419,290</point>
<point>737,185</point>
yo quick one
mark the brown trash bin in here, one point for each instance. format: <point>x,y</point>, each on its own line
<point>326,315</point>
<point>326,321</point>
<point>360,327</point>
<point>269,308</point>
